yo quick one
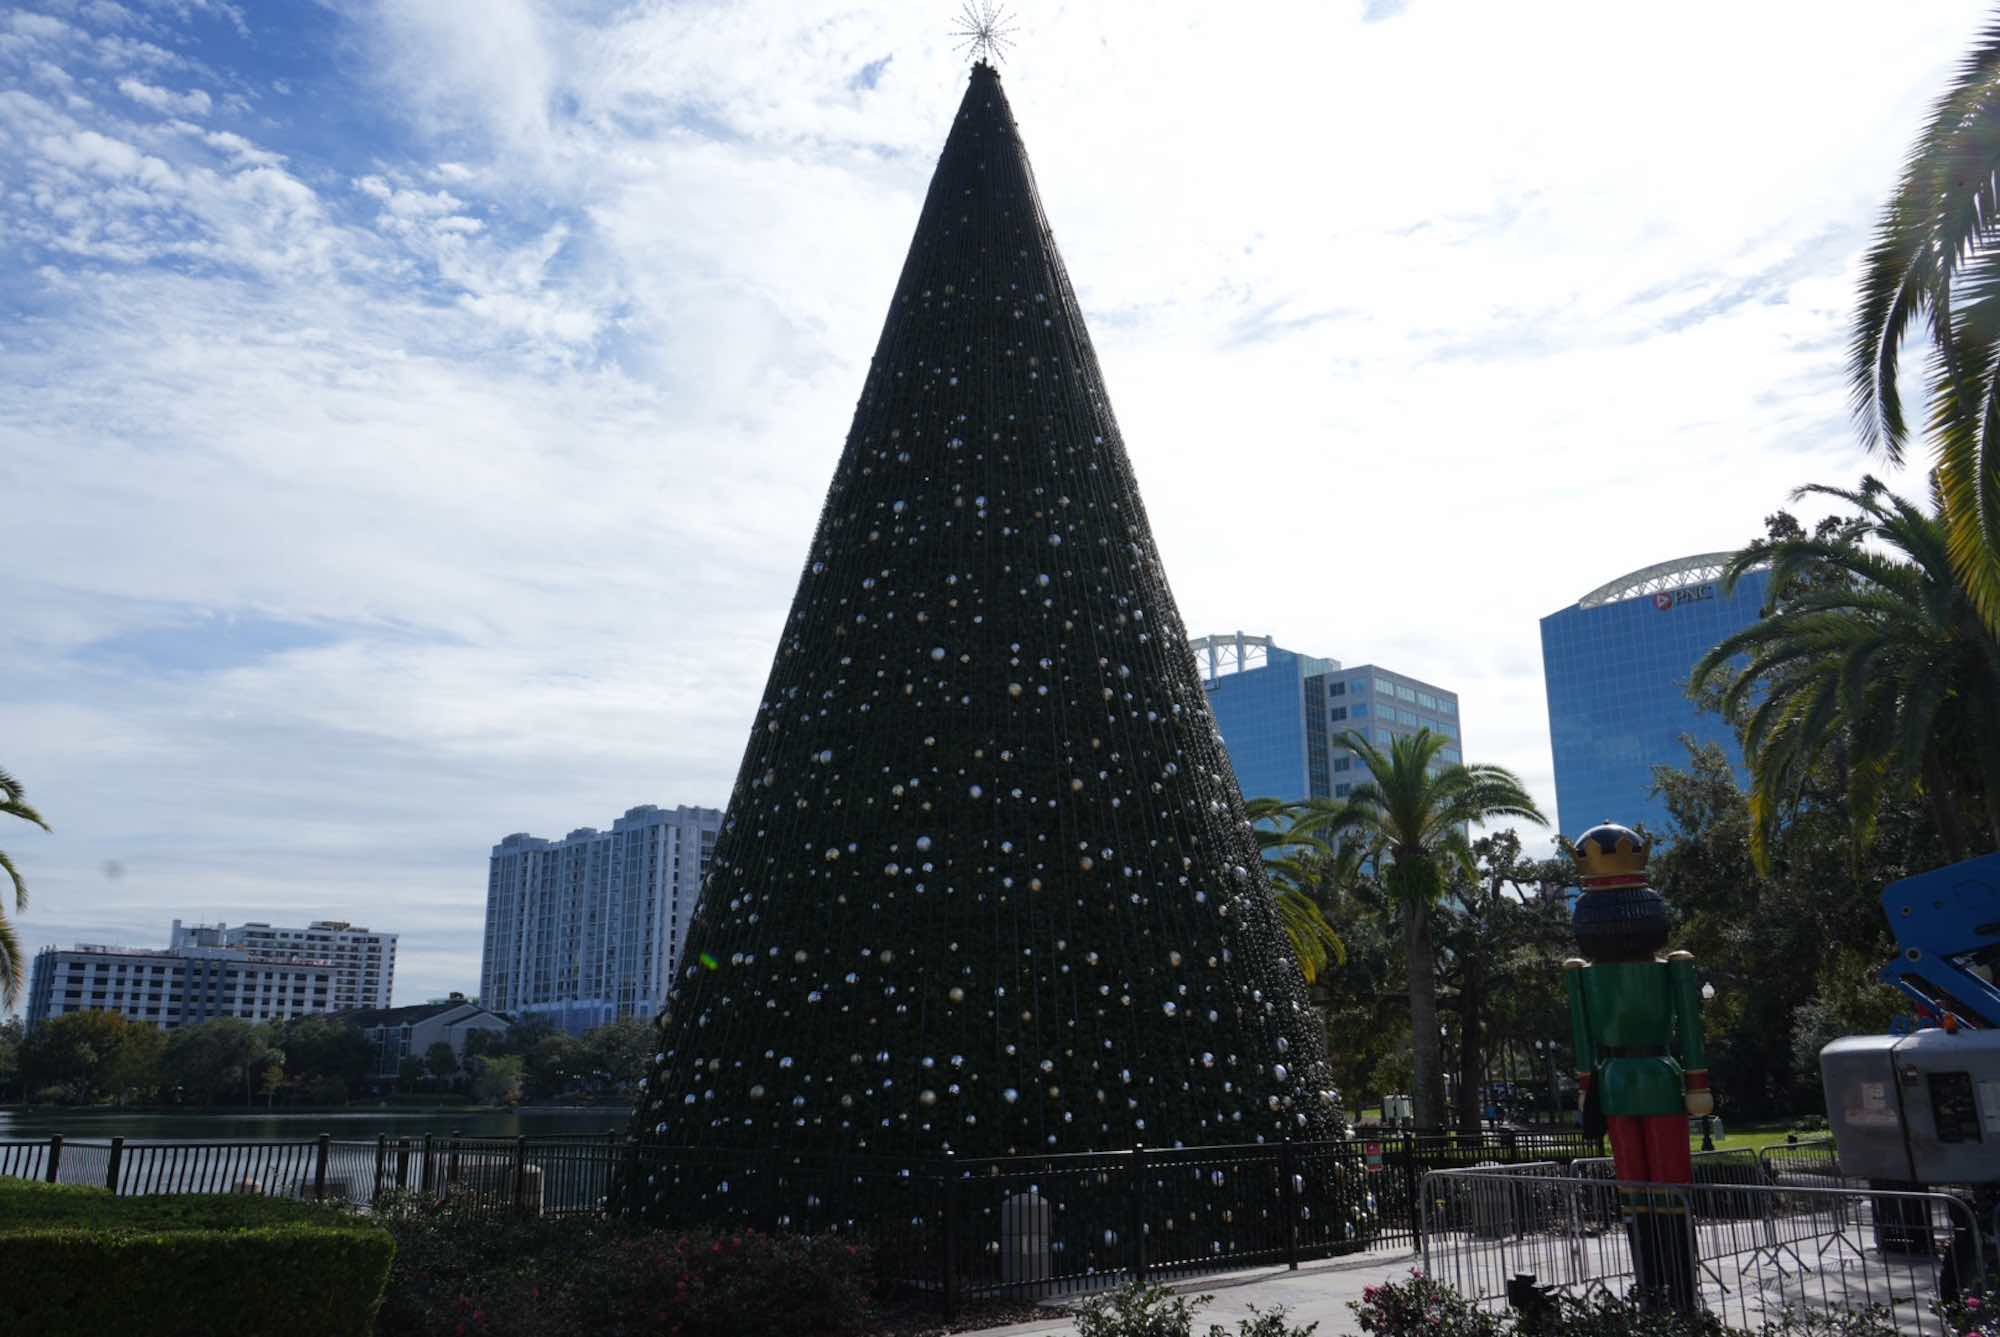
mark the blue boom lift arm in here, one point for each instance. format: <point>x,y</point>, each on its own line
<point>1946,922</point>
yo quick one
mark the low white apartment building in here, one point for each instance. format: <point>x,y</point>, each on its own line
<point>176,986</point>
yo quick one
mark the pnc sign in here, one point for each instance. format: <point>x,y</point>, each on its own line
<point>1667,600</point>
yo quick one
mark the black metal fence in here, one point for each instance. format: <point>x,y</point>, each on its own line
<point>1023,1225</point>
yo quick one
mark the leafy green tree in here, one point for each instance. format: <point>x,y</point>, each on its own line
<point>1502,943</point>
<point>1412,814</point>
<point>92,1055</point>
<point>1362,996</point>
<point>496,1078</point>
<point>224,1056</point>
<point>13,965</point>
<point>1797,941</point>
<point>11,1033</point>
<point>518,1039</point>
<point>1935,267</point>
<point>551,1066</point>
<point>325,1060</point>
<point>1873,661</point>
<point>1298,861</point>
<point>441,1061</point>
<point>619,1052</point>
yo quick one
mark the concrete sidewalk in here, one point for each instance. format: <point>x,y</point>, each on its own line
<point>1317,1292</point>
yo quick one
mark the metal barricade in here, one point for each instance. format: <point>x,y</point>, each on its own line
<point>1750,1251</point>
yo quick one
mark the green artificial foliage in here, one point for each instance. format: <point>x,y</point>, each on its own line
<point>81,1263</point>
<point>986,885</point>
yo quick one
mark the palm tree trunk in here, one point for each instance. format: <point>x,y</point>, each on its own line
<point>1421,952</point>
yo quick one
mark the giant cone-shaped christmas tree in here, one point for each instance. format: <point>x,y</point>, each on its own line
<point>985,884</point>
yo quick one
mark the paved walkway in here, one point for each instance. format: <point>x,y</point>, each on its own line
<point>1317,1292</point>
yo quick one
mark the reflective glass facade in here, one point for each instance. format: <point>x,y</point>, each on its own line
<point>1617,679</point>
<point>1281,721</point>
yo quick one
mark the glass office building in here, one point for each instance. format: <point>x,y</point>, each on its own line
<point>1616,667</point>
<point>1280,713</point>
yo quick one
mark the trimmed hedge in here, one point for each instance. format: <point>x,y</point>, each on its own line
<point>81,1262</point>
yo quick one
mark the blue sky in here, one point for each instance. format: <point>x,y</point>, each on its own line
<point>412,416</point>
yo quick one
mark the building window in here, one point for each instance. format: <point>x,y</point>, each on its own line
<point>1343,763</point>
<point>1337,713</point>
<point>1341,791</point>
<point>1385,687</point>
<point>1358,710</point>
<point>1337,689</point>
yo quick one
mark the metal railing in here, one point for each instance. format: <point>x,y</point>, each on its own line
<point>1751,1250</point>
<point>1021,1225</point>
<point>539,1176</point>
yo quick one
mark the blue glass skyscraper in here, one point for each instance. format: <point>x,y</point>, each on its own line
<point>1616,666</point>
<point>1280,714</point>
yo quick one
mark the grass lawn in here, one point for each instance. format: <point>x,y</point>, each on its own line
<point>1754,1137</point>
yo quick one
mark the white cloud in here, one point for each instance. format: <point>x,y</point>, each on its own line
<point>194,102</point>
<point>1417,329</point>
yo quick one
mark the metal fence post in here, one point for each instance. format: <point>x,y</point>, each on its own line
<point>402,1162</point>
<point>55,1156</point>
<point>1288,1193</point>
<point>950,1279</point>
<point>319,1167</point>
<point>520,1173</point>
<point>117,1158</point>
<point>451,1158</point>
<point>424,1172</point>
<point>1138,1223</point>
<point>1413,1191</point>
<point>381,1164</point>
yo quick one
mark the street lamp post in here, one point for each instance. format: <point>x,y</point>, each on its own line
<point>1546,1050</point>
<point>1707,1120</point>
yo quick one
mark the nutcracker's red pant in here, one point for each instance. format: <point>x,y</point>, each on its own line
<point>1651,1148</point>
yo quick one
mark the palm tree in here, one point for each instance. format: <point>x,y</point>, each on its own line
<point>1874,661</point>
<point>13,967</point>
<point>1412,813</point>
<point>1936,263</point>
<point>1298,863</point>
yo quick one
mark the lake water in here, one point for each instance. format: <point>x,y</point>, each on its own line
<point>356,1124</point>
<point>570,1167</point>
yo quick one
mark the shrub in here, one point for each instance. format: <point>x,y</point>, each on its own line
<point>1973,1315</point>
<point>457,1262</point>
<point>1421,1307</point>
<point>185,1265</point>
<point>1139,1310</point>
<point>461,1272</point>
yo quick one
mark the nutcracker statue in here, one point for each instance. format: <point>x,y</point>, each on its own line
<point>1640,1068</point>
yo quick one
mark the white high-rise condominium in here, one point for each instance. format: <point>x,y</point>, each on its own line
<point>589,928</point>
<point>364,962</point>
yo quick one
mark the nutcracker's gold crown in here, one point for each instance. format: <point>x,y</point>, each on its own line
<point>1609,855</point>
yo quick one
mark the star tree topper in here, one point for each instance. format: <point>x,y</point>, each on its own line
<point>985,29</point>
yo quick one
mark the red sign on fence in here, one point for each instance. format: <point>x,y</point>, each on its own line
<point>1374,1150</point>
